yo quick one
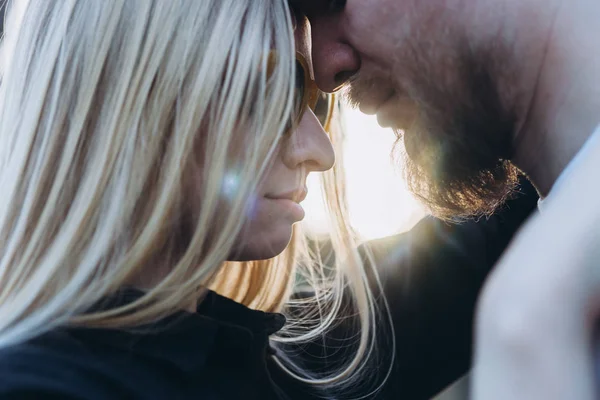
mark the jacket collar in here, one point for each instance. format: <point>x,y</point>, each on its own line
<point>220,329</point>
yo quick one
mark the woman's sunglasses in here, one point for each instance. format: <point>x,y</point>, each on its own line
<point>308,95</point>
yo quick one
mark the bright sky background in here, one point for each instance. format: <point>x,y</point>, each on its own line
<point>379,202</point>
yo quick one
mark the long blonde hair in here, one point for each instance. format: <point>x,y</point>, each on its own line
<point>104,105</point>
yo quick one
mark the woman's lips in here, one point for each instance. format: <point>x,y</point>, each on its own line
<point>289,202</point>
<point>289,207</point>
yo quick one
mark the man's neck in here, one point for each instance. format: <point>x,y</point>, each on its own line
<point>565,108</point>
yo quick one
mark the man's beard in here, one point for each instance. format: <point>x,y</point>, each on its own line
<point>458,150</point>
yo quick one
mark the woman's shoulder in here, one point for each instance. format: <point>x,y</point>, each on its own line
<point>52,366</point>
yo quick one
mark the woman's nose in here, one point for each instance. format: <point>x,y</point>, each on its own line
<point>309,146</point>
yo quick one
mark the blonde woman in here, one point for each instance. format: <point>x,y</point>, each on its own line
<point>143,145</point>
<point>152,157</point>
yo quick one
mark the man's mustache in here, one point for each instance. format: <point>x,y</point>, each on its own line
<point>359,87</point>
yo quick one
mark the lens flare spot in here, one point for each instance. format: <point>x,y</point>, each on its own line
<point>231,184</point>
<point>230,189</point>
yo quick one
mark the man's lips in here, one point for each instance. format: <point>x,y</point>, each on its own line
<point>397,113</point>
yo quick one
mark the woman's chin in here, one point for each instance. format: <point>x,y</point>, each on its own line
<point>262,246</point>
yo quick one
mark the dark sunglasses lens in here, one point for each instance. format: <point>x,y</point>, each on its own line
<point>299,94</point>
<point>322,108</point>
<point>299,90</point>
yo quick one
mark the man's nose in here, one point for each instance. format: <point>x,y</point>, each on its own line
<point>335,61</point>
<point>309,146</point>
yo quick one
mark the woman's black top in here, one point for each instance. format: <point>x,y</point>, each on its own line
<point>431,278</point>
